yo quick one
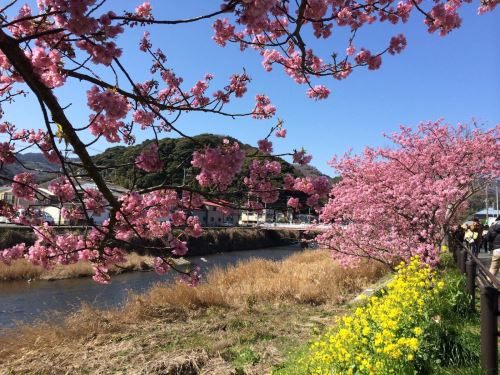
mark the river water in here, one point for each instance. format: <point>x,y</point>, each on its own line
<point>21,301</point>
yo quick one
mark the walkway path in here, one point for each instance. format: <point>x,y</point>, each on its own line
<point>485,258</point>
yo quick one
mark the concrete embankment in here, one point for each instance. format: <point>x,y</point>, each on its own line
<point>140,253</point>
<point>213,240</point>
<point>236,239</point>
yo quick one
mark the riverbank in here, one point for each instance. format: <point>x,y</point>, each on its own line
<point>244,320</point>
<point>21,269</point>
<point>212,241</point>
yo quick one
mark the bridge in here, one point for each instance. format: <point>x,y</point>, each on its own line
<point>315,228</point>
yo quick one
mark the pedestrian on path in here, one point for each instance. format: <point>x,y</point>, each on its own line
<point>477,229</point>
<point>485,242</point>
<point>493,237</point>
<point>469,237</point>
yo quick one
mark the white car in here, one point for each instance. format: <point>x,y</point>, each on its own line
<point>4,220</point>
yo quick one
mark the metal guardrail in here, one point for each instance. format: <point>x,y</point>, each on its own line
<point>479,277</point>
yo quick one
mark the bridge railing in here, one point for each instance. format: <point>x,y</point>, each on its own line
<point>480,278</point>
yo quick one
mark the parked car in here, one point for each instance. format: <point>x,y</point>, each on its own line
<point>46,218</point>
<point>38,217</point>
<point>4,220</point>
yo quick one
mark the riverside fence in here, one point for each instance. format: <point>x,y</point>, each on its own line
<point>480,279</point>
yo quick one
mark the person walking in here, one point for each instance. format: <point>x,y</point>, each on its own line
<point>477,230</point>
<point>493,237</point>
<point>469,237</point>
<point>485,243</point>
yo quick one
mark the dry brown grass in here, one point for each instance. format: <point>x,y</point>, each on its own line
<point>285,297</point>
<point>21,269</point>
<point>309,277</point>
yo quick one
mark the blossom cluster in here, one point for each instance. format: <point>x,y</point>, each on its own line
<point>259,181</point>
<point>266,24</point>
<point>316,188</point>
<point>149,160</point>
<point>218,165</point>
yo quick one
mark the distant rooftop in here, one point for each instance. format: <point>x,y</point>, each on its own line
<point>490,211</point>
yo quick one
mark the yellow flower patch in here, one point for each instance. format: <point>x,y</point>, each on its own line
<point>384,336</point>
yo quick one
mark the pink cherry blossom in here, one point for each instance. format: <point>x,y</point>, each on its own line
<point>47,66</point>
<point>444,17</point>
<point>218,165</point>
<point>178,218</point>
<point>179,248</point>
<point>144,10</point>
<point>318,92</point>
<point>24,186</point>
<point>300,157</point>
<point>281,133</point>
<point>263,108</point>
<point>265,146</point>
<point>223,31</point>
<point>293,202</point>
<point>259,181</point>
<point>160,266</point>
<point>62,189</point>
<point>112,103</point>
<point>395,202</point>
<point>144,118</point>
<point>101,53</point>
<point>101,275</point>
<point>194,228</point>
<point>149,159</point>
<point>238,84</point>
<point>110,129</point>
<point>7,153</point>
<point>9,254</point>
<point>398,43</point>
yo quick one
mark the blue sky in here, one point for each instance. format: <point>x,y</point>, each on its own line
<point>456,77</point>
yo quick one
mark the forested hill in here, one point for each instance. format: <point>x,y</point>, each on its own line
<point>177,154</point>
<point>29,162</point>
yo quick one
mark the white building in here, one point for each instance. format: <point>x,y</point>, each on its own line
<point>47,202</point>
<point>267,215</point>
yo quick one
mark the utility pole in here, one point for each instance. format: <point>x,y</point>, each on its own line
<point>496,193</point>
<point>487,207</point>
<point>265,213</point>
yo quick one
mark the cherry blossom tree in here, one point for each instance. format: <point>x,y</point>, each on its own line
<point>62,43</point>
<point>396,202</point>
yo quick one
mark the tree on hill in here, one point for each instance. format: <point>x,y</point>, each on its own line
<point>75,44</point>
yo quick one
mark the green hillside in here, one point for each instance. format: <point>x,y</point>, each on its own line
<point>177,154</point>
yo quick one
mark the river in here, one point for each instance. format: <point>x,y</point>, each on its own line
<point>21,301</point>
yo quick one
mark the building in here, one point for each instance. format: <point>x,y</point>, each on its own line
<point>48,203</point>
<point>213,214</point>
<point>488,214</point>
<point>267,215</point>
